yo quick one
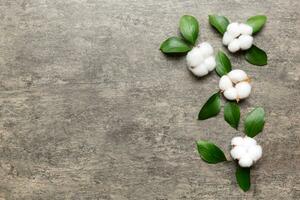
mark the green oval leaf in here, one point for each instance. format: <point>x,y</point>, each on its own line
<point>243,177</point>
<point>256,56</point>
<point>232,114</point>
<point>209,152</point>
<point>257,22</point>
<point>220,23</point>
<point>254,122</point>
<point>223,64</point>
<point>174,45</point>
<point>211,108</point>
<point>189,28</point>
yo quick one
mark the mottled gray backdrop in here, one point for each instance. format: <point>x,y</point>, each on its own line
<point>91,109</point>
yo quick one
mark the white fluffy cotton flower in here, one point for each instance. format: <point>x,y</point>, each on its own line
<point>238,36</point>
<point>245,150</point>
<point>235,85</point>
<point>200,59</point>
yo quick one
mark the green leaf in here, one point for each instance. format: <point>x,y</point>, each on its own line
<point>209,152</point>
<point>256,56</point>
<point>174,45</point>
<point>223,64</point>
<point>211,108</point>
<point>189,28</point>
<point>243,177</point>
<point>232,114</point>
<point>254,122</point>
<point>257,22</point>
<point>220,23</point>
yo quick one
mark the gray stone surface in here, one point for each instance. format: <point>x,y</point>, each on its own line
<point>90,108</point>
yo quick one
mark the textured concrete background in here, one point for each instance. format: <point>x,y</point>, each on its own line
<point>90,108</point>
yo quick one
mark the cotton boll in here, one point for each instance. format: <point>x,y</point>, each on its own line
<point>200,59</point>
<point>234,46</point>
<point>227,38</point>
<point>210,63</point>
<point>200,70</point>
<point>237,75</point>
<point>230,94</point>
<point>255,152</point>
<point>234,29</point>
<point>206,49</point>
<point>245,161</point>
<point>246,41</point>
<point>225,83</point>
<point>238,36</point>
<point>237,141</point>
<point>245,150</point>
<point>243,89</point>
<point>194,57</point>
<point>245,29</point>
<point>248,142</point>
<point>238,152</point>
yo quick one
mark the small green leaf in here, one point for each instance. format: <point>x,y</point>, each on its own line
<point>254,122</point>
<point>243,177</point>
<point>174,45</point>
<point>209,152</point>
<point>189,28</point>
<point>223,64</point>
<point>220,23</point>
<point>232,114</point>
<point>211,108</point>
<point>257,22</point>
<point>256,56</point>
